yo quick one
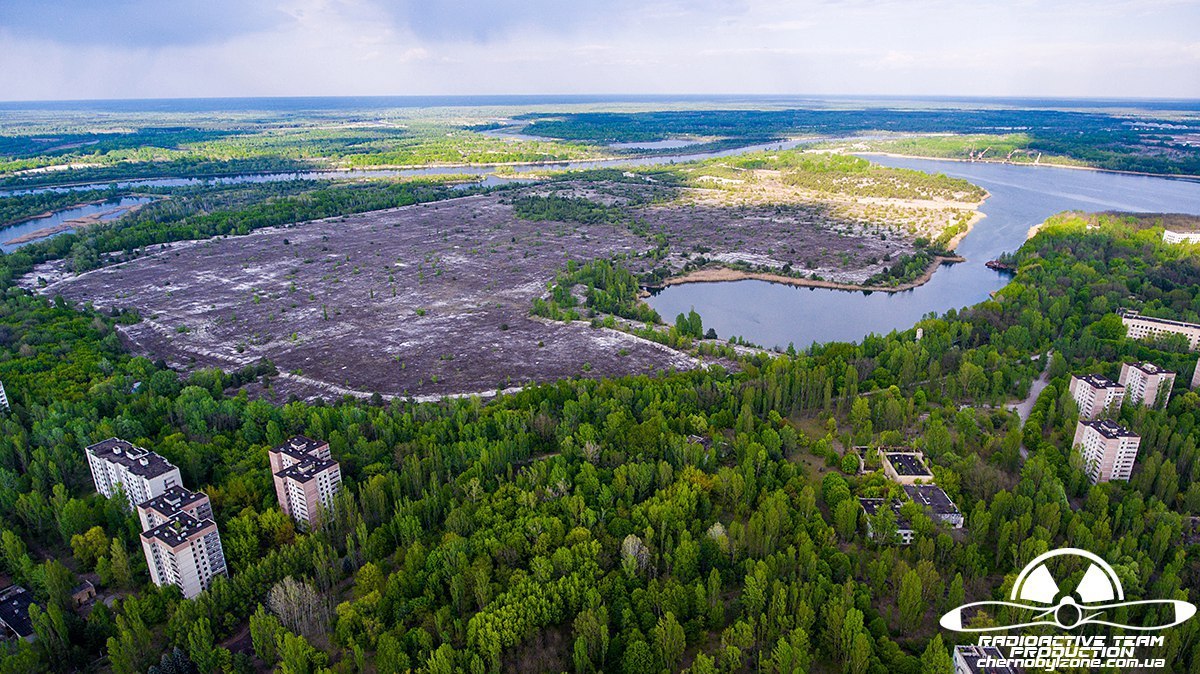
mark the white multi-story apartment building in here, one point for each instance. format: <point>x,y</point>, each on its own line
<point>306,478</point>
<point>3,398</point>
<point>1096,395</point>
<point>185,551</point>
<point>1141,327</point>
<point>1147,384</point>
<point>1180,237</point>
<point>1108,449</point>
<point>142,474</point>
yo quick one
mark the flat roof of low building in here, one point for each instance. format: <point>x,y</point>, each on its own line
<point>137,460</point>
<point>971,654</point>
<point>1109,429</point>
<point>306,469</point>
<point>872,505</point>
<point>1098,381</point>
<point>178,530</point>
<point>14,610</point>
<point>907,464</point>
<point>1149,368</point>
<point>932,497</point>
<point>1129,313</point>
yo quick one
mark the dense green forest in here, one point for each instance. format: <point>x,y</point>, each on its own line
<point>210,149</point>
<point>1101,139</point>
<point>699,520</point>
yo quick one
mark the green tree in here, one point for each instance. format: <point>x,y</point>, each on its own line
<point>669,641</point>
<point>912,605</point>
<point>936,659</point>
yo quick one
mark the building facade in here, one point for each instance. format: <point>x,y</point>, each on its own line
<point>1180,237</point>
<point>1108,449</point>
<point>306,478</point>
<point>1143,327</point>
<point>974,659</point>
<point>3,398</point>
<point>184,551</point>
<point>1147,384</point>
<point>1096,395</point>
<point>142,474</point>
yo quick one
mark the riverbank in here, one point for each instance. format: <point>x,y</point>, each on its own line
<point>75,223</point>
<point>1181,176</point>
<point>723,274</point>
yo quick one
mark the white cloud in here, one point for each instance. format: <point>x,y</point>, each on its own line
<point>360,47</point>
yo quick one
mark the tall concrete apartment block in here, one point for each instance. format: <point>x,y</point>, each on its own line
<point>1108,449</point>
<point>140,472</point>
<point>1141,327</point>
<point>179,537</point>
<point>1096,395</point>
<point>3,398</point>
<point>185,551</point>
<point>306,478</point>
<point>1147,384</point>
<point>174,501</point>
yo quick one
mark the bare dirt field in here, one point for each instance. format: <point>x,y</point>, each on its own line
<point>434,299</point>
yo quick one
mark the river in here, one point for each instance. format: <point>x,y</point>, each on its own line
<point>776,315</point>
<point>486,174</point>
<point>98,212</point>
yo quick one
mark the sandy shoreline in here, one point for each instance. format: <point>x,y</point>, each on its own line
<point>74,223</point>
<point>1185,176</point>
<point>722,274</point>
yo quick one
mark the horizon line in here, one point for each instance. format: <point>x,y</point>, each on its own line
<point>615,96</point>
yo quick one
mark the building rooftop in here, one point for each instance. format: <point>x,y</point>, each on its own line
<point>14,610</point>
<point>299,446</point>
<point>932,497</point>
<point>1110,429</point>
<point>907,464</point>
<point>306,469</point>
<point>178,530</point>
<point>137,460</point>
<point>971,654</point>
<point>173,500</point>
<point>1129,313</point>
<point>1149,368</point>
<point>1098,381</point>
<point>872,505</point>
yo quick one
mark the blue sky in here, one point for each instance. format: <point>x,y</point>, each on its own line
<point>70,49</point>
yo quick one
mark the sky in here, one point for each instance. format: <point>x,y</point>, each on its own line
<point>90,49</point>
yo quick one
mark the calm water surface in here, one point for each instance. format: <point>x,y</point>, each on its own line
<point>58,218</point>
<point>1021,197</point>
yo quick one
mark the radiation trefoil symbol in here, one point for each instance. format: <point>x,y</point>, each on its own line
<point>1038,597</point>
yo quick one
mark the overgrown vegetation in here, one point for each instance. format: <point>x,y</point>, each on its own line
<point>695,520</point>
<point>608,288</point>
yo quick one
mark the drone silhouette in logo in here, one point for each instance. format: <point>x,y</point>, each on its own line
<point>1036,592</point>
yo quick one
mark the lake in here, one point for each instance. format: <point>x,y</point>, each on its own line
<point>776,315</point>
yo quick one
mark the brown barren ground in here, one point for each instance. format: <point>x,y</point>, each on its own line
<point>434,299</point>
